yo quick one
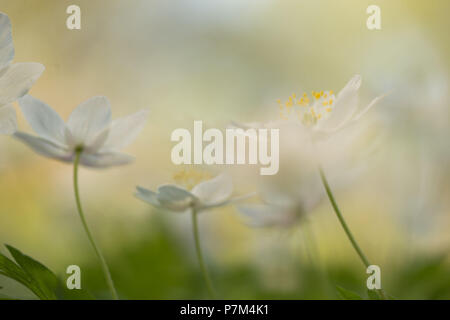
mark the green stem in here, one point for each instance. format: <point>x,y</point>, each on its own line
<point>199,255</point>
<point>85,226</point>
<point>345,227</point>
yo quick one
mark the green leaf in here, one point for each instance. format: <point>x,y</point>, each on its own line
<point>347,294</point>
<point>40,276</point>
<point>5,297</point>
<point>30,273</point>
<point>373,295</point>
<point>11,270</point>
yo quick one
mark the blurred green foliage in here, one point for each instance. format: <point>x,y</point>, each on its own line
<point>156,268</point>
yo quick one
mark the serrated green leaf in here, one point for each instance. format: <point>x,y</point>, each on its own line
<point>347,294</point>
<point>41,278</point>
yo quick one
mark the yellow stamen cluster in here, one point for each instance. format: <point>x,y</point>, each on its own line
<point>189,178</point>
<point>317,107</point>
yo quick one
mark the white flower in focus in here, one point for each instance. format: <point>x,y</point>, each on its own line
<point>89,130</point>
<point>212,193</point>
<point>15,78</point>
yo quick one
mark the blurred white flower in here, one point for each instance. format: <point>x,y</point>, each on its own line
<point>324,113</point>
<point>284,203</point>
<point>15,78</point>
<point>212,193</point>
<point>89,130</point>
<point>418,115</point>
<point>327,129</point>
<point>270,215</point>
<point>321,131</point>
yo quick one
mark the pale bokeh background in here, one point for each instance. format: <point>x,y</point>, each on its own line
<point>218,61</point>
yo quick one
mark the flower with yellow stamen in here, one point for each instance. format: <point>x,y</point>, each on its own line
<point>336,111</point>
<point>196,190</point>
<point>325,112</point>
<point>188,178</point>
<point>201,193</point>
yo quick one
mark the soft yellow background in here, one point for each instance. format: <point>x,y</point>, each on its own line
<point>218,61</point>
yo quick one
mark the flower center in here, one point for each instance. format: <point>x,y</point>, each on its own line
<point>308,110</point>
<point>79,148</point>
<point>189,178</point>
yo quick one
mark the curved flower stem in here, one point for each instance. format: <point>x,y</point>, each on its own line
<point>85,226</point>
<point>200,256</point>
<point>345,227</point>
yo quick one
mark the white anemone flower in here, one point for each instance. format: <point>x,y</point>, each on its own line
<point>195,197</point>
<point>322,114</point>
<point>89,131</point>
<point>15,78</point>
<point>272,215</point>
<point>208,194</point>
<point>279,210</point>
<point>284,203</point>
<point>325,113</point>
<point>212,193</point>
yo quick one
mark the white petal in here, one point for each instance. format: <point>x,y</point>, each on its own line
<point>17,79</point>
<point>366,109</point>
<point>260,125</point>
<point>345,105</point>
<point>147,196</point>
<point>268,216</point>
<point>175,198</point>
<point>94,144</point>
<point>214,191</point>
<point>44,147</point>
<point>201,206</point>
<point>43,119</point>
<point>6,43</point>
<point>8,121</point>
<point>273,195</point>
<point>124,130</point>
<point>245,126</point>
<point>89,118</point>
<point>259,215</point>
<point>105,159</point>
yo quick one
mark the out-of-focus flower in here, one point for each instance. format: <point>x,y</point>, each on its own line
<point>322,114</point>
<point>272,215</point>
<point>322,130</point>
<point>15,78</point>
<point>212,193</point>
<point>198,195</point>
<point>326,127</point>
<point>89,130</point>
<point>326,113</point>
<point>418,115</point>
<point>283,205</point>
